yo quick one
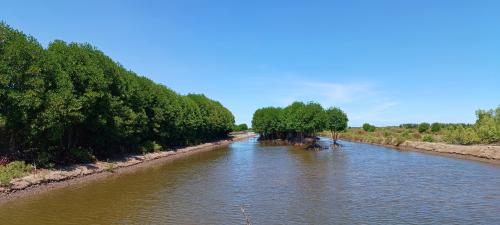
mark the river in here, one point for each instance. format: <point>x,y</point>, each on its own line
<point>359,184</point>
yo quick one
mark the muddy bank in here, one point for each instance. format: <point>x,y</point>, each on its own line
<point>485,153</point>
<point>42,180</point>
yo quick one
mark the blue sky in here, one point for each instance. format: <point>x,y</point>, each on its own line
<point>383,62</point>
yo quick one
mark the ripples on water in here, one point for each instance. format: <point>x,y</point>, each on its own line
<point>360,184</point>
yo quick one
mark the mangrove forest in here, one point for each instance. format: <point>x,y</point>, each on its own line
<point>298,123</point>
<point>71,103</point>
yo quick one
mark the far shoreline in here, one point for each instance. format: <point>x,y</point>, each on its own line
<point>78,174</point>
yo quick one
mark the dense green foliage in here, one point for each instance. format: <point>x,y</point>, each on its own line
<point>336,121</point>
<point>423,127</point>
<point>436,127</point>
<point>240,127</point>
<point>70,102</point>
<point>297,121</point>
<point>368,127</point>
<point>408,125</point>
<point>486,129</point>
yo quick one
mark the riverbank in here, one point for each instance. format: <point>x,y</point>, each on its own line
<point>484,153</point>
<point>42,180</point>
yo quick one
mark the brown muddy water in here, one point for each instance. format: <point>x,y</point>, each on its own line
<point>360,184</point>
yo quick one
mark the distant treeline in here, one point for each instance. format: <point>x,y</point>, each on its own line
<point>240,127</point>
<point>71,102</point>
<point>297,121</point>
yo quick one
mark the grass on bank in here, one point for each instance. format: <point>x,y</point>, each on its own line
<point>13,170</point>
<point>486,130</point>
<point>460,135</point>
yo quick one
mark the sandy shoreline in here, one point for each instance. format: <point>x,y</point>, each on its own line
<point>45,180</point>
<point>483,153</point>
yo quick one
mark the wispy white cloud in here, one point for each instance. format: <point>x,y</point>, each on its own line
<point>363,101</point>
<point>376,113</point>
<point>338,92</point>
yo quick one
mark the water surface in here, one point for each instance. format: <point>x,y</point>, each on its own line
<point>360,184</point>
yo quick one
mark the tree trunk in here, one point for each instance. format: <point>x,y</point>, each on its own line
<point>335,137</point>
<point>12,142</point>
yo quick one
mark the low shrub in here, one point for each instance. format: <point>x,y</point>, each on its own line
<point>398,130</point>
<point>405,134</point>
<point>111,167</point>
<point>13,170</point>
<point>150,146</point>
<point>435,127</point>
<point>399,140</point>
<point>428,138</point>
<point>81,155</point>
<point>45,159</point>
<point>368,127</point>
<point>461,136</point>
<point>423,127</point>
<point>361,132</point>
<point>488,126</point>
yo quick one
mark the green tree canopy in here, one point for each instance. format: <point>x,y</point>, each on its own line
<point>297,121</point>
<point>336,121</point>
<point>63,103</point>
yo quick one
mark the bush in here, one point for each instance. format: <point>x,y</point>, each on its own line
<point>45,159</point>
<point>423,127</point>
<point>400,140</point>
<point>405,134</point>
<point>368,127</point>
<point>461,136</point>
<point>13,170</point>
<point>80,155</point>
<point>435,127</point>
<point>488,126</point>
<point>150,146</point>
<point>428,138</point>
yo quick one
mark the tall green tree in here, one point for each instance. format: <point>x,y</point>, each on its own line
<point>336,121</point>
<point>71,101</point>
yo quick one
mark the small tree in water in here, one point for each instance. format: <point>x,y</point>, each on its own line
<point>336,121</point>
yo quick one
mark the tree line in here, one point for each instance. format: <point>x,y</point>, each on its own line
<point>298,121</point>
<point>70,102</point>
<point>240,127</point>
